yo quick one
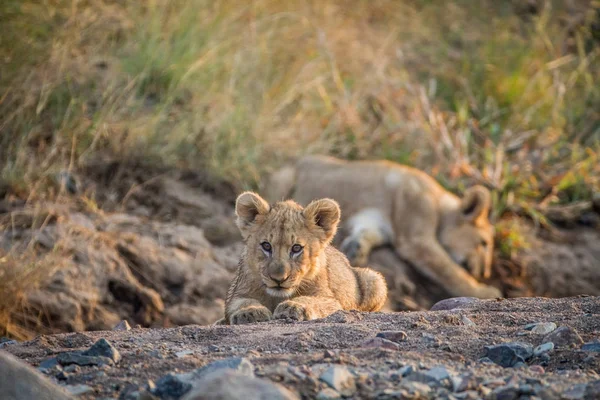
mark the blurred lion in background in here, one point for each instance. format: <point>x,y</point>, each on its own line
<point>444,237</point>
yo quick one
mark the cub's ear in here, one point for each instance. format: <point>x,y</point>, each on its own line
<point>476,203</point>
<point>324,215</point>
<point>247,207</point>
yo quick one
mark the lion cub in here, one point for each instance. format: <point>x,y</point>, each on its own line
<point>289,269</point>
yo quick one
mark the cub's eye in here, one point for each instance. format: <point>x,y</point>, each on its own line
<point>483,244</point>
<point>296,248</point>
<point>266,246</point>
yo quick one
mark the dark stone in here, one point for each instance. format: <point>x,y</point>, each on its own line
<point>48,364</point>
<point>104,349</point>
<point>509,354</point>
<point>505,393</point>
<point>592,391</point>
<point>171,386</point>
<point>406,370</point>
<point>77,358</point>
<point>19,381</point>
<point>591,346</point>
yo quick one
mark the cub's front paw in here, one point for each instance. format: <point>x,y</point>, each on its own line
<point>250,315</point>
<point>292,310</point>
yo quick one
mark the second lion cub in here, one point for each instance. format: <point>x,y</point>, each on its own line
<point>289,269</point>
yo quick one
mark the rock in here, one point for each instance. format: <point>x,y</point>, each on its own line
<point>340,379</point>
<point>103,348</point>
<point>537,369</point>
<point>592,347</point>
<point>239,364</point>
<point>184,353</point>
<point>176,385</point>
<point>466,321</point>
<point>485,360</point>
<point>406,370</point>
<point>592,390</point>
<point>329,354</point>
<point>78,390</point>
<point>72,368</point>
<point>6,343</point>
<point>416,389</point>
<point>48,364</point>
<point>575,392</point>
<point>379,342</point>
<point>564,336</point>
<point>454,303</point>
<point>122,326</point>
<point>394,336</point>
<point>467,395</point>
<point>232,385</point>
<point>76,358</point>
<point>438,373</point>
<point>19,381</point>
<point>505,393</point>
<point>509,354</point>
<point>543,348</point>
<point>541,328</point>
<point>328,394</point>
<point>171,386</point>
<point>461,383</point>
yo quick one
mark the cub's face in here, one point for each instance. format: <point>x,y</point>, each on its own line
<point>468,237</point>
<point>284,241</point>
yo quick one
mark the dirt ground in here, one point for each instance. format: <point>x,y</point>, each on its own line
<point>440,356</point>
<point>159,248</point>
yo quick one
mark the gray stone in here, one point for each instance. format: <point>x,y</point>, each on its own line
<point>239,364</point>
<point>231,385</point>
<point>379,342</point>
<point>505,393</point>
<point>438,373</point>
<point>184,353</point>
<point>543,349</point>
<point>509,354</point>
<point>541,328</point>
<point>406,370</point>
<point>466,321</point>
<point>592,347</point>
<point>416,389</point>
<point>328,394</point>
<point>103,348</point>
<point>592,390</point>
<point>48,364</point>
<point>122,326</point>
<point>78,390</point>
<point>19,381</point>
<point>339,378</point>
<point>564,336</point>
<point>454,303</point>
<point>394,336</point>
<point>72,368</point>
<point>575,392</point>
<point>7,343</point>
<point>76,358</point>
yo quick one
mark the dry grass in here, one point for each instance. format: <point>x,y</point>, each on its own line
<point>468,91</point>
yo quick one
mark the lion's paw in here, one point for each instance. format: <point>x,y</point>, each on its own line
<point>251,315</point>
<point>292,310</point>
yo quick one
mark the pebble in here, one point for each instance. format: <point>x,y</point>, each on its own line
<point>509,354</point>
<point>416,389</point>
<point>537,369</point>
<point>171,386</point>
<point>72,368</point>
<point>394,336</point>
<point>454,303</point>
<point>103,348</point>
<point>122,326</point>
<point>438,373</point>
<point>466,321</point>
<point>379,342</point>
<point>592,390</point>
<point>541,328</point>
<point>592,347</point>
<point>75,358</point>
<point>78,390</point>
<point>406,370</point>
<point>7,343</point>
<point>543,348</point>
<point>564,336</point>
<point>339,378</point>
<point>328,394</point>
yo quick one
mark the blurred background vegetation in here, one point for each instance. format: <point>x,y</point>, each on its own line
<point>503,93</point>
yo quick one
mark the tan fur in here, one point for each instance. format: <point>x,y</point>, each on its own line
<point>312,283</point>
<point>447,238</point>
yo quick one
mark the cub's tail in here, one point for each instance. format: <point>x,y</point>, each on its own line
<point>373,289</point>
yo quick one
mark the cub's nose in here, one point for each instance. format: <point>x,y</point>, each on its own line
<point>279,279</point>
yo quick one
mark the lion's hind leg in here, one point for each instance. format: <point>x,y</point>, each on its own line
<point>373,289</point>
<point>367,229</point>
